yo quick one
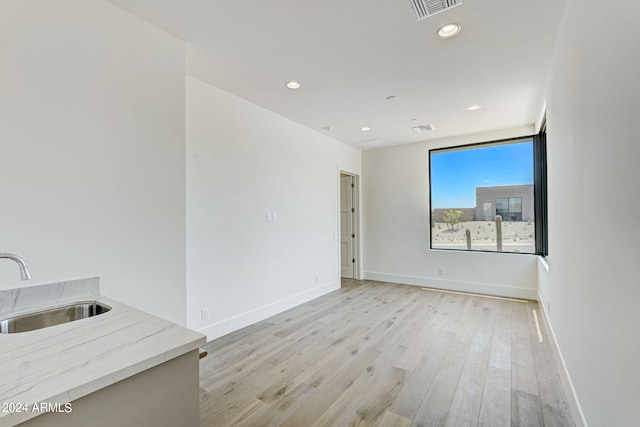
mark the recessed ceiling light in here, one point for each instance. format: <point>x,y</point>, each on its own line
<point>449,30</point>
<point>474,107</point>
<point>293,85</point>
<point>365,129</point>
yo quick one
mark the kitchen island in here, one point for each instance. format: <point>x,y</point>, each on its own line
<point>124,367</point>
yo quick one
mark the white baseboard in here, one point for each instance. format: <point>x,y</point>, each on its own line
<point>576,409</point>
<point>455,285</point>
<point>239,321</point>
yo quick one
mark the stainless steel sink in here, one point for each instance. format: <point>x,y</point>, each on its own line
<point>51,317</point>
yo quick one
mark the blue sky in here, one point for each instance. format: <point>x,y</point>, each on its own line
<point>456,174</point>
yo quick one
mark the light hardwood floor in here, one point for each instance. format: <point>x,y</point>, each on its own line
<point>381,354</point>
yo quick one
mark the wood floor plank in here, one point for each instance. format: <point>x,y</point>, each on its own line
<point>341,412</point>
<point>345,353</point>
<point>252,410</point>
<point>555,408</point>
<point>390,419</point>
<point>383,354</point>
<point>331,390</point>
<point>523,369</point>
<point>234,337</point>
<point>297,366</point>
<point>526,410</point>
<point>465,407</point>
<point>378,398</point>
<point>435,408</point>
<point>500,356</point>
<point>278,413</point>
<point>495,408</point>
<point>225,403</point>
<point>251,358</point>
<point>412,395</point>
<point>431,323</point>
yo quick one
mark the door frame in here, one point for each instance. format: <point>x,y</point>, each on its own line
<point>357,219</point>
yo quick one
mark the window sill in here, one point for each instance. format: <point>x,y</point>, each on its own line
<point>544,262</point>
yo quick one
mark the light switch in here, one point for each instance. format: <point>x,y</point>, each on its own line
<point>275,217</point>
<point>269,217</point>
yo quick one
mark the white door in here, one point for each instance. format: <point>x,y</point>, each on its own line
<point>347,236</point>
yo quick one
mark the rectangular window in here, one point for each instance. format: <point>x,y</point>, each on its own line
<point>509,208</point>
<point>483,197</point>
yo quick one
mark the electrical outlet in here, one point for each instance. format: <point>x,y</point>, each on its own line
<point>441,272</point>
<point>204,313</point>
<point>274,216</point>
<point>269,217</point>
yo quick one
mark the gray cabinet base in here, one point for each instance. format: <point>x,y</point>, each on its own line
<point>166,395</point>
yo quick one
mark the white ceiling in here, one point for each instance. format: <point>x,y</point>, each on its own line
<point>350,55</point>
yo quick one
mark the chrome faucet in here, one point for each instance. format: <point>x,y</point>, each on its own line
<point>24,271</point>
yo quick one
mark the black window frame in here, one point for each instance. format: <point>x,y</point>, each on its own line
<point>539,189</point>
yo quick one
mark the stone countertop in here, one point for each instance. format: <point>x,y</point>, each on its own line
<point>62,363</point>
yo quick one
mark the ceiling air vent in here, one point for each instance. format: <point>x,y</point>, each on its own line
<point>425,8</point>
<point>422,128</point>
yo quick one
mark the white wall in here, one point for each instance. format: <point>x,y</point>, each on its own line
<point>242,162</point>
<point>396,227</point>
<point>92,151</point>
<point>592,288</point>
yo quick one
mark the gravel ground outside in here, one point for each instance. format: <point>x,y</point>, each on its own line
<point>518,236</point>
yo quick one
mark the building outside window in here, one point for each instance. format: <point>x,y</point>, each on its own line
<point>511,202</point>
